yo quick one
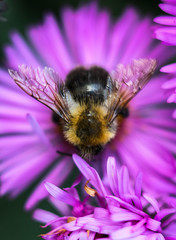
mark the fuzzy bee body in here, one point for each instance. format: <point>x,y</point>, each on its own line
<point>89,101</point>
<point>87,92</point>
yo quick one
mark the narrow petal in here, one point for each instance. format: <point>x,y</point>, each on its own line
<point>61,195</point>
<point>170,84</point>
<point>126,205</point>
<point>138,184</point>
<point>62,169</point>
<point>166,35</point>
<point>112,174</point>
<point>168,8</point>
<point>152,201</point>
<point>90,174</point>
<point>165,20</point>
<point>169,68</point>
<point>44,216</point>
<point>126,232</point>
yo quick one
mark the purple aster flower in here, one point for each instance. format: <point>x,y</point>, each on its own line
<point>166,32</point>
<point>29,135</point>
<point>121,211</point>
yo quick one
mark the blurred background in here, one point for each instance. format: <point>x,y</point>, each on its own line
<point>15,223</point>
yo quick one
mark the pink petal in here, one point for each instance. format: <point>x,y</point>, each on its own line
<point>50,36</point>
<point>122,217</point>
<point>61,195</point>
<point>123,183</point>
<point>169,84</point>
<point>168,8</point>
<point>172,98</point>
<point>152,201</point>
<point>138,185</point>
<point>126,232</point>
<point>171,68</point>
<point>165,20</point>
<point>112,174</point>
<point>62,169</point>
<point>131,51</point>
<point>120,33</point>
<point>164,213</point>
<point>167,35</point>
<point>126,205</point>
<point>153,224</point>
<point>44,216</point>
<point>174,114</point>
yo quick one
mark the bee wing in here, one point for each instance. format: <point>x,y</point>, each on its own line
<point>128,81</point>
<point>44,86</point>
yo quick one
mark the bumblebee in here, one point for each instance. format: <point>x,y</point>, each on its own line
<point>89,101</point>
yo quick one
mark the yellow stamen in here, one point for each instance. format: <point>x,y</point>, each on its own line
<point>60,231</point>
<point>70,219</point>
<point>52,233</point>
<point>90,191</point>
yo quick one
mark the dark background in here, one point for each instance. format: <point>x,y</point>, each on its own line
<point>15,223</point>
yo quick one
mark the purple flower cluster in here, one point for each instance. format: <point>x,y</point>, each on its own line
<point>29,136</point>
<point>120,211</point>
<point>166,32</point>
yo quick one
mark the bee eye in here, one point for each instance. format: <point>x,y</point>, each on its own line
<point>55,117</point>
<point>124,112</point>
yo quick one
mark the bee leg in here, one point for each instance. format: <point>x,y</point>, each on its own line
<point>64,154</point>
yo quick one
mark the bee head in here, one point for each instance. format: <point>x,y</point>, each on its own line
<point>88,152</point>
<point>89,127</point>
